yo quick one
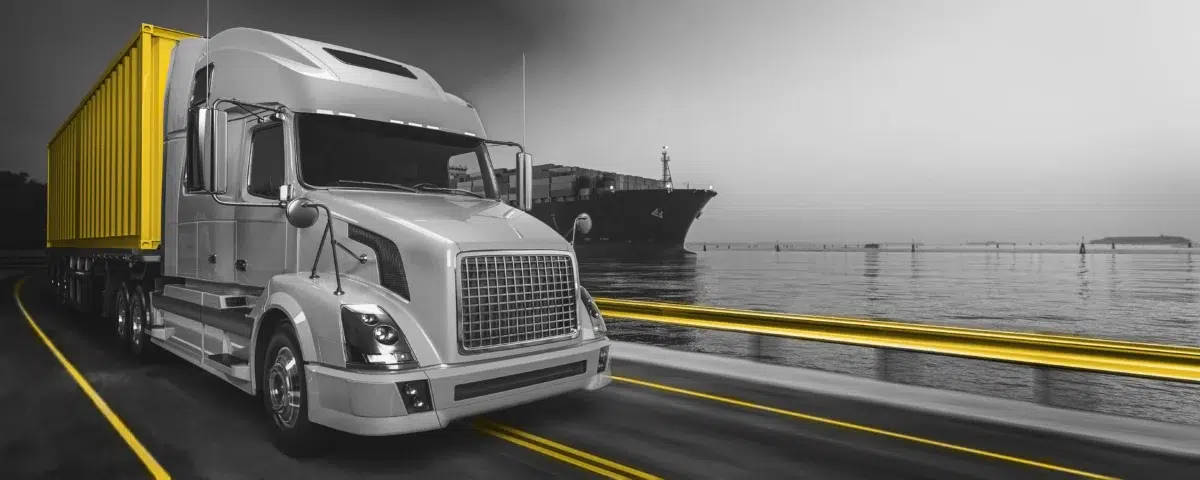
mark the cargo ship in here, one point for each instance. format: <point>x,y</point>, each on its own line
<point>631,215</point>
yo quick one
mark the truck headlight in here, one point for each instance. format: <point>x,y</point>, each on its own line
<point>598,326</point>
<point>373,340</point>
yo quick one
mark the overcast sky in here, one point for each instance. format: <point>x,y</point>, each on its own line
<point>816,121</point>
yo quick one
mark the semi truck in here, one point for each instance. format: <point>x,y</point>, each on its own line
<point>279,212</point>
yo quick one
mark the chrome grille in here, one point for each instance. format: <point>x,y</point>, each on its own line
<point>511,300</point>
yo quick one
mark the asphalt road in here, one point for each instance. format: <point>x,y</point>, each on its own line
<point>652,421</point>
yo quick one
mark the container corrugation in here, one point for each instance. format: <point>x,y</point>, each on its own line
<point>104,164</point>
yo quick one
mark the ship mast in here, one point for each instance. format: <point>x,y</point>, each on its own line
<point>666,160</point>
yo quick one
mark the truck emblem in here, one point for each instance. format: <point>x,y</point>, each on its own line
<point>657,212</point>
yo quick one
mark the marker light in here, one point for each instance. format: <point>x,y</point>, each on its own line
<point>598,325</point>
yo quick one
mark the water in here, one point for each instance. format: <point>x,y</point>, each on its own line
<point>1130,296</point>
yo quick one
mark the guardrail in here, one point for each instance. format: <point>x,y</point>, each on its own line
<point>1145,360</point>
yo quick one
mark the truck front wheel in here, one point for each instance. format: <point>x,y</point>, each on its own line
<point>285,396</point>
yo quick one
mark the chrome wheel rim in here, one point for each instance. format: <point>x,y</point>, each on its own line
<point>122,314</point>
<point>136,312</point>
<point>283,388</point>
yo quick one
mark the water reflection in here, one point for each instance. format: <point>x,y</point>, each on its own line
<point>1191,280</point>
<point>871,271</point>
<point>1114,281</point>
<point>672,279</point>
<point>1083,279</point>
<point>914,268</point>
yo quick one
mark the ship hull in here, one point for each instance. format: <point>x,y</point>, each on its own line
<point>629,223</point>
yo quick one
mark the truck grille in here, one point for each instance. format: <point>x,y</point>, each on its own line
<point>511,300</point>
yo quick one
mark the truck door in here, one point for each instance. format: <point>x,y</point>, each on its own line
<point>205,238</point>
<point>264,238</point>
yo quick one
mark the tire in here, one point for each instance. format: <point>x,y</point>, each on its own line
<point>293,433</point>
<point>61,289</point>
<point>55,283</point>
<point>121,313</point>
<point>139,325</point>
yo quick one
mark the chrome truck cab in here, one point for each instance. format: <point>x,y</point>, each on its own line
<point>317,253</point>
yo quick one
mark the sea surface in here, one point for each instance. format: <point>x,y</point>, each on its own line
<point>1140,296</point>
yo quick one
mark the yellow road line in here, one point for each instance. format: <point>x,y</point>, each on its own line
<point>151,464</point>
<point>564,453</point>
<point>862,428</point>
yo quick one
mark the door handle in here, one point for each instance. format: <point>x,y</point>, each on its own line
<point>240,265</point>
<point>212,258</point>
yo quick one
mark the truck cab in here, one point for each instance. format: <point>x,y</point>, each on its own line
<point>316,252</point>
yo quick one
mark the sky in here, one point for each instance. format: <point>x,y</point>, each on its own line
<point>820,121</point>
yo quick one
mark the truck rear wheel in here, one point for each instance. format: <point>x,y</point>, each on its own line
<point>285,396</point>
<point>121,313</point>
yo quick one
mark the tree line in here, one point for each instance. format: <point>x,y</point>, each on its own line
<point>23,206</point>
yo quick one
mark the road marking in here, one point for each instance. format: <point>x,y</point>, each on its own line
<point>151,464</point>
<point>584,460</point>
<point>862,428</point>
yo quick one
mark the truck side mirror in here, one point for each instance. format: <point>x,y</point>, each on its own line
<point>212,124</point>
<point>524,181</point>
<point>583,223</point>
<point>300,214</point>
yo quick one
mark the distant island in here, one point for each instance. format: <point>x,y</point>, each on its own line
<point>1159,240</point>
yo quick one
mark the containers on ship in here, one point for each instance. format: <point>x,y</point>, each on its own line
<point>562,185</point>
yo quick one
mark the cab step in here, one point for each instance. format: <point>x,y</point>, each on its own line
<point>231,365</point>
<point>161,333</point>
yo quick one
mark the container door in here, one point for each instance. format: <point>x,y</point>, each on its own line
<point>262,233</point>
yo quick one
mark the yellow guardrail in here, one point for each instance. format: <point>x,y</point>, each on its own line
<point>1147,360</point>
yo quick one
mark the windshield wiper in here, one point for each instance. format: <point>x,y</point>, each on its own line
<point>431,188</point>
<point>377,184</point>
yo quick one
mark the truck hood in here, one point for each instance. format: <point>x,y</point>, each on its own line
<point>471,223</point>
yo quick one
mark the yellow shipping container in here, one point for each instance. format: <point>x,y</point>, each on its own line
<point>104,164</point>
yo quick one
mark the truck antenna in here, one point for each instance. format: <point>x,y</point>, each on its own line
<point>523,140</point>
<point>207,57</point>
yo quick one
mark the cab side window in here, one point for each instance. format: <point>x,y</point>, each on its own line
<point>193,169</point>
<point>266,162</point>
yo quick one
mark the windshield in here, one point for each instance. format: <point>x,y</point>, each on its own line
<point>349,152</point>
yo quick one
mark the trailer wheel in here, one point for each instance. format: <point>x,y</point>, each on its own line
<point>285,396</point>
<point>139,324</point>
<point>60,274</point>
<point>122,313</point>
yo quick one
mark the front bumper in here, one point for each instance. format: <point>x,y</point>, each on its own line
<point>370,403</point>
